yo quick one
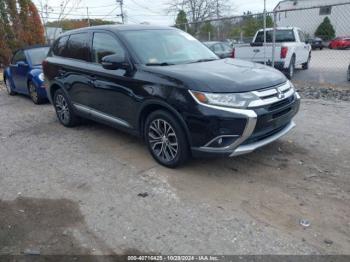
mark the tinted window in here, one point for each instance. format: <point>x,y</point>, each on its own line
<point>19,56</point>
<point>37,55</point>
<point>103,45</point>
<point>78,47</point>
<point>281,36</point>
<point>60,46</point>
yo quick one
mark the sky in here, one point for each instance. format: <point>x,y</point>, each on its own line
<point>138,11</point>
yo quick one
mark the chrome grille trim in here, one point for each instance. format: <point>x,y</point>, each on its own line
<point>272,95</point>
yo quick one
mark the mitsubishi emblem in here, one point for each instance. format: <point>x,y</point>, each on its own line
<point>280,94</point>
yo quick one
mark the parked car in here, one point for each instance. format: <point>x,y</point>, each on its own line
<point>340,43</point>
<point>292,49</point>
<point>316,43</point>
<point>25,76</point>
<point>221,49</point>
<point>163,85</point>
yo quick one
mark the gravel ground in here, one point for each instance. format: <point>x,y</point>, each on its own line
<point>324,92</point>
<point>95,190</point>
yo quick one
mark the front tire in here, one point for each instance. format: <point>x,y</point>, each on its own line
<point>307,64</point>
<point>33,93</point>
<point>64,110</point>
<point>166,139</point>
<point>8,87</point>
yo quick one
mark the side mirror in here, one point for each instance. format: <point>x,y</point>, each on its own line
<point>22,63</point>
<point>307,41</point>
<point>114,62</point>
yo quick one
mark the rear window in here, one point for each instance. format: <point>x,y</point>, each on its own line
<point>37,55</point>
<point>281,36</point>
<point>60,46</point>
<point>78,47</point>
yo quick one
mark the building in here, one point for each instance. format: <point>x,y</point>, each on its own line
<point>52,33</point>
<point>309,19</point>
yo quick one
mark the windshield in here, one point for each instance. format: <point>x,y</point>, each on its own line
<point>166,47</point>
<point>281,36</point>
<point>37,55</point>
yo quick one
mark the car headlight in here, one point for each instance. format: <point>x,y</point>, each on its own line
<point>41,77</point>
<point>235,100</point>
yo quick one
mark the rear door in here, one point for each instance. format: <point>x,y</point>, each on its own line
<point>74,68</point>
<point>19,69</point>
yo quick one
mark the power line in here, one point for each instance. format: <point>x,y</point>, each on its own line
<point>120,2</point>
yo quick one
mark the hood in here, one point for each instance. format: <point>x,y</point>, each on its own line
<point>222,76</point>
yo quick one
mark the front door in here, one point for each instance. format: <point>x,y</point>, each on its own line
<point>113,89</point>
<point>19,69</point>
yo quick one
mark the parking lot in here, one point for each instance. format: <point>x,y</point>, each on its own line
<point>327,67</point>
<point>94,190</point>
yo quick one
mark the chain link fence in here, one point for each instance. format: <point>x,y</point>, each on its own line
<point>324,33</point>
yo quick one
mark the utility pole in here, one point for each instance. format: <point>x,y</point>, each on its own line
<point>88,18</point>
<point>120,2</point>
<point>264,32</point>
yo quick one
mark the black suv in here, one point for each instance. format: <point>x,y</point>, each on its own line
<point>163,85</point>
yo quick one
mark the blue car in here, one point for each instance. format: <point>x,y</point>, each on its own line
<point>25,76</point>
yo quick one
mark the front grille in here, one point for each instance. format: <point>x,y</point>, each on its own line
<point>262,136</point>
<point>281,104</point>
<point>272,95</point>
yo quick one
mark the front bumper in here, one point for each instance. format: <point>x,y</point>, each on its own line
<point>263,126</point>
<point>246,149</point>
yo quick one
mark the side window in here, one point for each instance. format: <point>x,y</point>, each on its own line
<point>103,45</point>
<point>60,46</point>
<point>19,57</point>
<point>78,47</point>
<point>217,48</point>
<point>301,36</point>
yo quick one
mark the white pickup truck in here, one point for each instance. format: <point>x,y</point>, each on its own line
<point>292,49</point>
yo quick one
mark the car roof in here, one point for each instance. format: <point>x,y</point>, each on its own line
<point>29,48</point>
<point>119,27</point>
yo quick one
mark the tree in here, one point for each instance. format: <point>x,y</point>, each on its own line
<point>20,25</point>
<point>198,11</point>
<point>206,31</point>
<point>181,20</point>
<point>325,30</point>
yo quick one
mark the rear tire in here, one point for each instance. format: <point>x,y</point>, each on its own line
<point>307,64</point>
<point>33,93</point>
<point>290,71</point>
<point>166,139</point>
<point>64,110</point>
<point>8,87</point>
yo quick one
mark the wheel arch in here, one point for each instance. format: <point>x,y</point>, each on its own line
<point>154,105</point>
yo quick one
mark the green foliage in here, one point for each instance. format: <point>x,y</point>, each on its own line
<point>206,29</point>
<point>250,25</point>
<point>325,30</point>
<point>181,20</point>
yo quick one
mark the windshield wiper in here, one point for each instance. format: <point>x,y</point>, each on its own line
<point>159,64</point>
<point>203,60</point>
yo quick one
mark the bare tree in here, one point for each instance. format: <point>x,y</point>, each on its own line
<point>200,10</point>
<point>65,9</point>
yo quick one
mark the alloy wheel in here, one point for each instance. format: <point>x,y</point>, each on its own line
<point>33,93</point>
<point>62,109</point>
<point>163,140</point>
